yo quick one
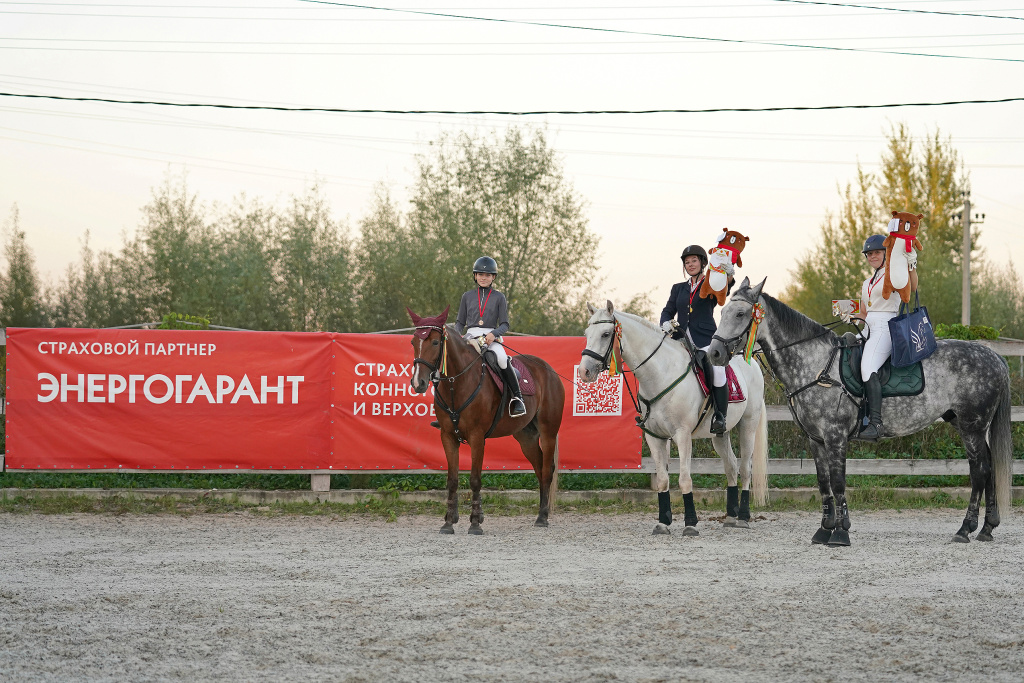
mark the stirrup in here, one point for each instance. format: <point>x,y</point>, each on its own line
<point>877,436</point>
<point>724,424</point>
<point>516,407</point>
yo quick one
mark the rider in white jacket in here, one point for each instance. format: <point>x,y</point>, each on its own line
<point>876,312</point>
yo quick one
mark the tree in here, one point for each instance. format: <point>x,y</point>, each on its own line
<point>929,181</point>
<point>389,267</point>
<point>21,299</point>
<point>316,267</point>
<point>247,269</point>
<point>178,242</point>
<point>105,289</point>
<point>505,197</point>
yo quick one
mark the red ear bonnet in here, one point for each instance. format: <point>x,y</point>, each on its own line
<point>425,325</point>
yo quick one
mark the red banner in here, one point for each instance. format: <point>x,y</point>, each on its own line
<point>186,400</point>
<point>379,414</point>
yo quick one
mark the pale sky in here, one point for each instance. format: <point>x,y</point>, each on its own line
<point>652,183</point>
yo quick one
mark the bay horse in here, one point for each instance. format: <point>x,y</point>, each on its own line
<point>966,384</point>
<point>664,370</point>
<point>470,409</point>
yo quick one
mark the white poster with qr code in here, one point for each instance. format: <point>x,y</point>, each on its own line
<point>597,399</point>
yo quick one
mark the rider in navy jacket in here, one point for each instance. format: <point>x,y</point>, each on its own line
<point>696,321</point>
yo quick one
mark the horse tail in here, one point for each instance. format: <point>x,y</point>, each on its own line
<point>1001,449</point>
<point>759,476</point>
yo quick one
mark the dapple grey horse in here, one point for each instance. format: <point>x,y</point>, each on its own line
<point>664,372</point>
<point>966,384</point>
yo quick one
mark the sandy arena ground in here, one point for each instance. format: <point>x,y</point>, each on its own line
<point>594,597</point>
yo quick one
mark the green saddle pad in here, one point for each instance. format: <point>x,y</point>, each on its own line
<point>908,381</point>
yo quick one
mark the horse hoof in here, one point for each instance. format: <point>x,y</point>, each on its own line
<point>660,529</point>
<point>730,522</point>
<point>742,524</point>
<point>821,536</point>
<point>690,531</point>
<point>475,530</point>
<point>983,536</point>
<point>543,523</point>
<point>447,529</point>
<point>960,538</point>
<point>839,537</point>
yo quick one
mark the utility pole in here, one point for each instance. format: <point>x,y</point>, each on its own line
<point>965,305</point>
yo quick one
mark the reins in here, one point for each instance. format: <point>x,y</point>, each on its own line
<point>822,379</point>
<point>638,399</point>
<point>439,374</point>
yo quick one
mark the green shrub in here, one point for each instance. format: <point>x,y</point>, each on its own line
<point>183,321</point>
<point>969,333</point>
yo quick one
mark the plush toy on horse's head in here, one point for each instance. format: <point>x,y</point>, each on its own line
<point>901,247</point>
<point>721,260</point>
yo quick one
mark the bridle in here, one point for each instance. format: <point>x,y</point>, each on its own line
<point>637,400</point>
<point>755,307</point>
<point>439,372</point>
<point>434,371</point>
<point>605,359</point>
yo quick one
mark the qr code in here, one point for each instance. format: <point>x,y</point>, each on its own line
<point>602,397</point>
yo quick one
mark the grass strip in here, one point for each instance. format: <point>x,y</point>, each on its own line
<point>390,507</point>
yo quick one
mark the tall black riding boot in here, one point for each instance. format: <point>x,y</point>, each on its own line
<point>516,407</point>
<point>720,397</point>
<point>873,390</point>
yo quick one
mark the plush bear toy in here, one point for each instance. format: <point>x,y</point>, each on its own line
<point>721,260</point>
<point>901,247</point>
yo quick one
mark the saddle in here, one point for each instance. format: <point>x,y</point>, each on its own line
<point>526,383</point>
<point>908,381</point>
<point>700,362</point>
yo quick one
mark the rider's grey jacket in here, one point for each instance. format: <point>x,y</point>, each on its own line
<point>494,314</point>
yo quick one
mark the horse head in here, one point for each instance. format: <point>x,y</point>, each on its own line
<point>428,340</point>
<point>736,319</point>
<point>600,335</point>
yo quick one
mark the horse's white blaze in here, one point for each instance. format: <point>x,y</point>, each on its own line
<point>416,370</point>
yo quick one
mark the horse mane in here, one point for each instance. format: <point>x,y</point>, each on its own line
<point>643,321</point>
<point>792,319</point>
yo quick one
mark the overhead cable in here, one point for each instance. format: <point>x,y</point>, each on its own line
<point>538,112</point>
<point>524,22</point>
<point>901,9</point>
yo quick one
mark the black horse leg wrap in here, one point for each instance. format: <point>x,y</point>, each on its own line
<point>665,507</point>
<point>745,506</point>
<point>689,511</point>
<point>732,496</point>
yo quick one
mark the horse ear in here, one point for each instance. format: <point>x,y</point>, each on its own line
<point>444,316</point>
<point>412,316</point>
<point>745,284</point>
<point>757,290</point>
<point>608,305</point>
<point>591,309</point>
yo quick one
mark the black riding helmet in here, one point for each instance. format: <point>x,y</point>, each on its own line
<point>485,264</point>
<point>873,243</point>
<point>698,251</point>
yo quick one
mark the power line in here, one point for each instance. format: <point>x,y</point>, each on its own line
<point>901,9</point>
<point>546,24</point>
<point>475,112</point>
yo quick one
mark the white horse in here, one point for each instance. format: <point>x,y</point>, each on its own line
<point>664,370</point>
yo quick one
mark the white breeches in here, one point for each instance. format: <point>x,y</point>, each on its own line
<point>495,346</point>
<point>879,343</point>
<point>719,371</point>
